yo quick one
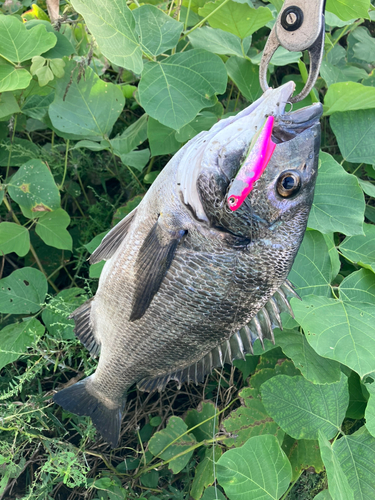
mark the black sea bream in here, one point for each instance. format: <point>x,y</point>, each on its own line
<point>189,284</point>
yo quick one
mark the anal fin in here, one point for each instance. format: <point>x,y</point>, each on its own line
<point>83,328</point>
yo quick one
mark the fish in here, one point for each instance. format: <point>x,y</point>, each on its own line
<point>189,284</point>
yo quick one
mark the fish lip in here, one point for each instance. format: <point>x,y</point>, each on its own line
<point>289,125</point>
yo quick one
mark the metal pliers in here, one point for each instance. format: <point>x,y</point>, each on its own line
<point>299,26</point>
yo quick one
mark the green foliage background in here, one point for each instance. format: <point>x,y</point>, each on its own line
<point>91,109</point>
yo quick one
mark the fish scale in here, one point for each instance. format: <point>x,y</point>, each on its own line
<point>189,284</point>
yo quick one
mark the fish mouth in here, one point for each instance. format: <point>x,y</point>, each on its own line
<point>289,125</point>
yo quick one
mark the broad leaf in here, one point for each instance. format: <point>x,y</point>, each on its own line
<point>8,106</point>
<point>171,441</point>
<point>213,493</point>
<point>12,78</point>
<point>370,408</point>
<point>236,18</point>
<point>367,187</point>
<point>361,249</point>
<point>14,238</point>
<point>259,468</point>
<point>315,368</point>
<point>136,159</point>
<point>15,338</point>
<point>33,187</point>
<point>302,455</point>
<point>339,203</point>
<point>205,430</point>
<point>17,44</point>
<point>113,26</point>
<point>204,472</point>
<point>36,106</point>
<point>161,138</point>
<point>302,408</point>
<point>339,330</point>
<point>63,46</point>
<point>356,456</point>
<point>174,90</point>
<point>216,41</point>
<point>132,137</point>
<point>23,292</point>
<point>87,108</point>
<point>246,76</point>
<point>157,31</point>
<point>51,227</point>
<point>203,121</point>
<point>337,480</point>
<point>348,96</point>
<point>359,287</point>
<point>312,269</point>
<point>349,9</point>
<point>357,398</point>
<point>355,131</point>
<point>250,420</point>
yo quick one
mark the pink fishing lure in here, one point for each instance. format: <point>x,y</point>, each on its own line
<point>260,152</point>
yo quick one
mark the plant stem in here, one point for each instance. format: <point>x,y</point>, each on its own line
<point>290,487</point>
<point>65,165</point>
<point>187,15</point>
<point>11,147</point>
<point>205,19</point>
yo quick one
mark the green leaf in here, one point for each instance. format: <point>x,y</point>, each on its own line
<point>204,472</point>
<point>113,26</point>
<point>236,18</point>
<point>170,442</point>
<point>361,249</point>
<point>203,121</point>
<point>246,76</point>
<point>136,159</point>
<point>37,63</point>
<point>367,187</point>
<point>333,74</point>
<point>259,468</point>
<point>349,9</point>
<point>22,151</point>
<point>15,338</point>
<point>36,106</point>
<point>302,408</point>
<point>370,408</point>
<point>92,146</point>
<point>364,49</point>
<point>312,269</point>
<point>348,96</point>
<point>44,75</point>
<point>17,44</point>
<point>216,41</point>
<point>339,203</point>
<point>63,46</point>
<point>122,212</point>
<point>14,238</point>
<point>184,83</point>
<point>314,368</point>
<point>57,67</point>
<point>51,227</point>
<point>33,187</point>
<point>247,366</point>
<point>323,495</point>
<point>281,57</point>
<point>132,137</point>
<point>96,269</point>
<point>302,455</point>
<point>337,480</point>
<point>56,312</point>
<point>357,400</point>
<point>250,420</point>
<point>161,138</point>
<point>12,78</point>
<point>339,330</point>
<point>354,131</point>
<point>89,108</point>
<point>359,287</point>
<point>206,430</point>
<point>356,456</point>
<point>157,31</point>
<point>8,106</point>
<point>23,292</point>
<point>212,493</point>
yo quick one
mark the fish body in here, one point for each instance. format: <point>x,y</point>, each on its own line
<point>185,275</point>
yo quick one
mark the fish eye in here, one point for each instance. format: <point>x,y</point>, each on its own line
<point>288,184</point>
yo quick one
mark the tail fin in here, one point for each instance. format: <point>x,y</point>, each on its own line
<point>77,399</point>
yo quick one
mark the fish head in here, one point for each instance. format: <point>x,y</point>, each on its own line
<point>284,192</point>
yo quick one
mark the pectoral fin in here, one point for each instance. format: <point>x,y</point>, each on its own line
<point>112,240</point>
<point>153,262</point>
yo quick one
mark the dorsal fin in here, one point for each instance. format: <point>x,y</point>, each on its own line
<point>260,327</point>
<point>113,239</point>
